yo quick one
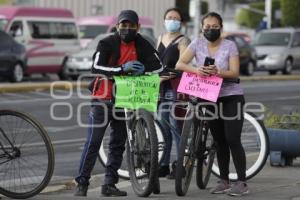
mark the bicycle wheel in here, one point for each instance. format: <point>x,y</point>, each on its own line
<point>186,154</point>
<point>142,153</point>
<point>27,161</point>
<point>256,144</point>
<point>123,171</point>
<point>206,156</point>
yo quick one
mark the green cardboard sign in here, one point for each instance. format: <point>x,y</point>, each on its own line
<point>135,92</point>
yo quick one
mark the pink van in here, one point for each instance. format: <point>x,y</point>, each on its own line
<point>92,26</point>
<point>48,34</point>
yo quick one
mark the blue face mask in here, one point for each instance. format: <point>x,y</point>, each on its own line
<point>172,25</point>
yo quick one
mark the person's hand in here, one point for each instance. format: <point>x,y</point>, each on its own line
<point>133,67</point>
<point>212,69</point>
<point>202,71</point>
<point>208,70</point>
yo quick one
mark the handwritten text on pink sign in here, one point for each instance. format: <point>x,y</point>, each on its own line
<point>203,87</point>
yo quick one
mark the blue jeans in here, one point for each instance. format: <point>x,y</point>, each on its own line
<point>167,119</point>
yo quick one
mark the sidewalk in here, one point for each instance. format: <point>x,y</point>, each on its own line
<point>271,183</point>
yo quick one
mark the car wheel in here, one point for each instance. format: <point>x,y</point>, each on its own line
<point>17,73</point>
<point>288,67</point>
<point>249,68</point>
<point>272,72</point>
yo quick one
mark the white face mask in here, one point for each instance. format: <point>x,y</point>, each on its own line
<point>172,26</point>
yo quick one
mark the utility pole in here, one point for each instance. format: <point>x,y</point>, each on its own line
<point>197,18</point>
<point>268,11</point>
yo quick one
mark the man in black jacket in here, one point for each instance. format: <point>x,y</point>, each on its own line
<point>124,53</point>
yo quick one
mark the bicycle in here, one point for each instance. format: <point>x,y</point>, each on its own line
<point>123,171</point>
<point>197,144</point>
<point>141,150</point>
<point>26,155</point>
<point>254,139</point>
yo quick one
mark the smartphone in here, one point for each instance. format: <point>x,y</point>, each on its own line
<point>209,61</point>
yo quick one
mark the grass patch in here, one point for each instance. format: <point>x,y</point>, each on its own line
<point>290,121</point>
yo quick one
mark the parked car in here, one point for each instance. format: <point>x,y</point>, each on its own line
<point>12,58</point>
<point>278,50</point>
<point>92,26</point>
<point>48,35</point>
<point>247,53</point>
<point>81,62</point>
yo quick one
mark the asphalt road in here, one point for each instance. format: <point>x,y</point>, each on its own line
<point>60,113</point>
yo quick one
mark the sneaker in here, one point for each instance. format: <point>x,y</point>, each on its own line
<point>111,190</point>
<point>81,190</point>
<point>222,187</point>
<point>238,189</point>
<point>164,171</point>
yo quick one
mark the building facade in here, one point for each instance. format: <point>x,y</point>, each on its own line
<point>153,9</point>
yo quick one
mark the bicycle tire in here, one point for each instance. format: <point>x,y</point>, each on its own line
<point>143,141</point>
<point>259,139</point>
<point>123,171</point>
<point>26,181</point>
<point>186,159</point>
<point>206,156</point>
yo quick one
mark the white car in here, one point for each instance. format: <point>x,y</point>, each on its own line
<point>81,62</point>
<point>278,49</point>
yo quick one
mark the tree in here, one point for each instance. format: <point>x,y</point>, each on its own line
<point>290,12</point>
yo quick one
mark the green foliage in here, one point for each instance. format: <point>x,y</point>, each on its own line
<point>251,19</point>
<point>248,18</point>
<point>290,12</point>
<point>291,121</point>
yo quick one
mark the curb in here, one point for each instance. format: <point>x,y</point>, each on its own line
<point>67,85</point>
<point>27,87</point>
<point>271,78</point>
<point>69,184</point>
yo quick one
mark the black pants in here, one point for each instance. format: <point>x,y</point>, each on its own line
<point>101,114</point>
<point>226,131</point>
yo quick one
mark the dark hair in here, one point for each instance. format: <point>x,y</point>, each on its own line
<point>176,10</point>
<point>213,14</point>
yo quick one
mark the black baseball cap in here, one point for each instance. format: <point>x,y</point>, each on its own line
<point>128,15</point>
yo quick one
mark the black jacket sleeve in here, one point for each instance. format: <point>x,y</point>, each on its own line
<point>101,59</point>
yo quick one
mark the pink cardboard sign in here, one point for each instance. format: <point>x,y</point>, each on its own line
<point>200,86</point>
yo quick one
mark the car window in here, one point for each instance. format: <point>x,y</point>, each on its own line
<point>272,39</point>
<point>5,40</point>
<point>94,43</point>
<point>296,40</point>
<point>147,31</point>
<point>16,29</point>
<point>91,31</point>
<point>58,30</point>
